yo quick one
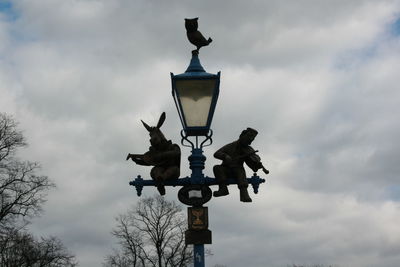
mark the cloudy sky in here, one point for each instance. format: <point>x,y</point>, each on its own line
<point>318,79</point>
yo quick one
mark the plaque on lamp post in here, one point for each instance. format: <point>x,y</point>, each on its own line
<point>198,232</point>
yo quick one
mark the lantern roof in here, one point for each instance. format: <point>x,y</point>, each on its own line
<point>195,69</point>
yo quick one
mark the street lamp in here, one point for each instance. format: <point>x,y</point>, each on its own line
<point>195,94</point>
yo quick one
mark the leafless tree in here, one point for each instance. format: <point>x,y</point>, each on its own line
<point>20,249</point>
<point>10,138</point>
<point>151,234</point>
<point>22,192</point>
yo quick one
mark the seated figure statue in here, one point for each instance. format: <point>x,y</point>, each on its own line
<point>233,156</point>
<point>163,155</point>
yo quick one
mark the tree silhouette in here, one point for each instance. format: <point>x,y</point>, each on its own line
<point>22,193</point>
<point>151,234</point>
<point>20,248</point>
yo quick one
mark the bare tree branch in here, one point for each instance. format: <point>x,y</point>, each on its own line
<point>22,193</point>
<point>10,138</point>
<point>19,248</point>
<point>152,234</point>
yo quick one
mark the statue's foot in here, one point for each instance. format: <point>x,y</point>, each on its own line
<point>161,189</point>
<point>244,195</point>
<point>244,199</point>
<point>222,191</point>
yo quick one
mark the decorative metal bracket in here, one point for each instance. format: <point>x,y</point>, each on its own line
<point>139,182</point>
<point>185,138</point>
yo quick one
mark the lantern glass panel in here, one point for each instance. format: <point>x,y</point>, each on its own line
<point>195,97</point>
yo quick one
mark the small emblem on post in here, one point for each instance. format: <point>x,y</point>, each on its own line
<point>198,232</point>
<point>194,195</point>
<point>198,218</point>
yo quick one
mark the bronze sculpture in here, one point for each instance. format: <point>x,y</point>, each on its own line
<point>163,155</point>
<point>194,36</point>
<point>233,156</point>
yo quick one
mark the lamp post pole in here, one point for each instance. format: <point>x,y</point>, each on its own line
<point>193,236</point>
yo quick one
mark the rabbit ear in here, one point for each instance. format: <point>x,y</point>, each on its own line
<point>161,120</point>
<point>146,126</point>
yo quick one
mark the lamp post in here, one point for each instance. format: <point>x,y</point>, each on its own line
<point>195,93</point>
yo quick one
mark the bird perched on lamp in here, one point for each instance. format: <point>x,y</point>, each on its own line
<point>194,36</point>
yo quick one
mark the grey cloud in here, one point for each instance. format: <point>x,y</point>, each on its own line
<point>79,76</point>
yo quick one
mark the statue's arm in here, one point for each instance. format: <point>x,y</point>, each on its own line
<point>254,163</point>
<point>174,152</point>
<point>220,154</point>
<point>137,158</point>
<point>223,155</point>
<point>141,162</point>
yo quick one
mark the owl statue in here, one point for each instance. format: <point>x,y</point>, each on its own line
<point>194,36</point>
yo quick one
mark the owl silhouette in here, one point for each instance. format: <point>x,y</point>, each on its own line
<point>194,36</point>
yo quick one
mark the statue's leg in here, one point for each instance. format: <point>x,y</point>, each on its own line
<point>221,177</point>
<point>157,174</point>
<point>240,176</point>
<point>171,173</point>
